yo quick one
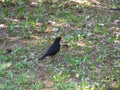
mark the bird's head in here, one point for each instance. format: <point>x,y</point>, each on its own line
<point>58,39</point>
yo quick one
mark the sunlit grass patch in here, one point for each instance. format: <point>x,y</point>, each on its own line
<point>3,67</point>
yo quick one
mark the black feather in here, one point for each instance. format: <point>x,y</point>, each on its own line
<point>41,58</point>
<point>54,48</point>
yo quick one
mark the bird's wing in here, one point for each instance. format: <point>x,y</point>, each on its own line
<point>53,50</point>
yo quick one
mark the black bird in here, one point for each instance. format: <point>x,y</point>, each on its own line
<point>54,48</point>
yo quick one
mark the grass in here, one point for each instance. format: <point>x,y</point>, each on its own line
<point>89,60</point>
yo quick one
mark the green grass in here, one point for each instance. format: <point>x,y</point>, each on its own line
<point>90,62</point>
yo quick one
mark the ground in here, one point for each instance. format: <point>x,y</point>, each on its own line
<point>89,58</point>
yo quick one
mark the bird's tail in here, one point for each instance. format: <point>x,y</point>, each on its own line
<point>41,58</point>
